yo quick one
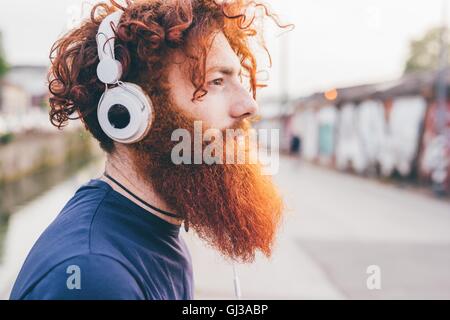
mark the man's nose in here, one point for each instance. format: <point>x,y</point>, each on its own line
<point>244,107</point>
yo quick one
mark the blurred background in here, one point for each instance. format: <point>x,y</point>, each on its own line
<point>360,92</point>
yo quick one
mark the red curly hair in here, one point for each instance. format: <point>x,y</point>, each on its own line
<point>148,32</point>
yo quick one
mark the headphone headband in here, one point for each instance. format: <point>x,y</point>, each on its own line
<point>105,32</point>
<point>109,70</point>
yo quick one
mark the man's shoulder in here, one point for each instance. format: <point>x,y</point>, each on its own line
<point>85,276</point>
<point>86,200</point>
<point>68,236</point>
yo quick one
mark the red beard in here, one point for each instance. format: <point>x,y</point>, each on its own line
<point>233,207</point>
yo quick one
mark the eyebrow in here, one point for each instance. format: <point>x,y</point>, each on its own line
<point>226,70</point>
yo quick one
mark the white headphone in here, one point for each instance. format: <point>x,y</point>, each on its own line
<point>131,104</point>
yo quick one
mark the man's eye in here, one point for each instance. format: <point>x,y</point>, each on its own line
<point>217,82</point>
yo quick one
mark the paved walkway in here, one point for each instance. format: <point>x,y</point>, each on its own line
<point>338,225</point>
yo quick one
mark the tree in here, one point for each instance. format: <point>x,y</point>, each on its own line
<point>3,68</point>
<point>424,52</point>
<point>3,63</point>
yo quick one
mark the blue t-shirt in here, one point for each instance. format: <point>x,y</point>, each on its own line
<point>102,245</point>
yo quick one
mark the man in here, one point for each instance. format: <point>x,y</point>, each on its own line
<point>118,237</point>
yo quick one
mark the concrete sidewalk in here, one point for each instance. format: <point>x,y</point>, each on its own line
<point>337,226</point>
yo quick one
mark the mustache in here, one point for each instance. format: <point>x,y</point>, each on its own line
<point>244,124</point>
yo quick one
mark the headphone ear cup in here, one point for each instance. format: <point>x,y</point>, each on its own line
<point>125,113</point>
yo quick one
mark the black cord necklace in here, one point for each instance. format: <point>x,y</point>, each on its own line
<point>141,200</point>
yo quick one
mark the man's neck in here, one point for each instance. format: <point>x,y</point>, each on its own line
<point>121,169</point>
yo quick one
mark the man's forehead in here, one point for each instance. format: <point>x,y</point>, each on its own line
<point>222,55</point>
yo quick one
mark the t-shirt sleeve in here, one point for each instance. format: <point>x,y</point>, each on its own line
<point>87,277</point>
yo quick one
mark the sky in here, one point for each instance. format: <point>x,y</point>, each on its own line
<point>334,43</point>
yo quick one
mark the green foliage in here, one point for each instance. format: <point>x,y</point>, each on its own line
<point>425,52</point>
<point>3,64</point>
<point>6,138</point>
